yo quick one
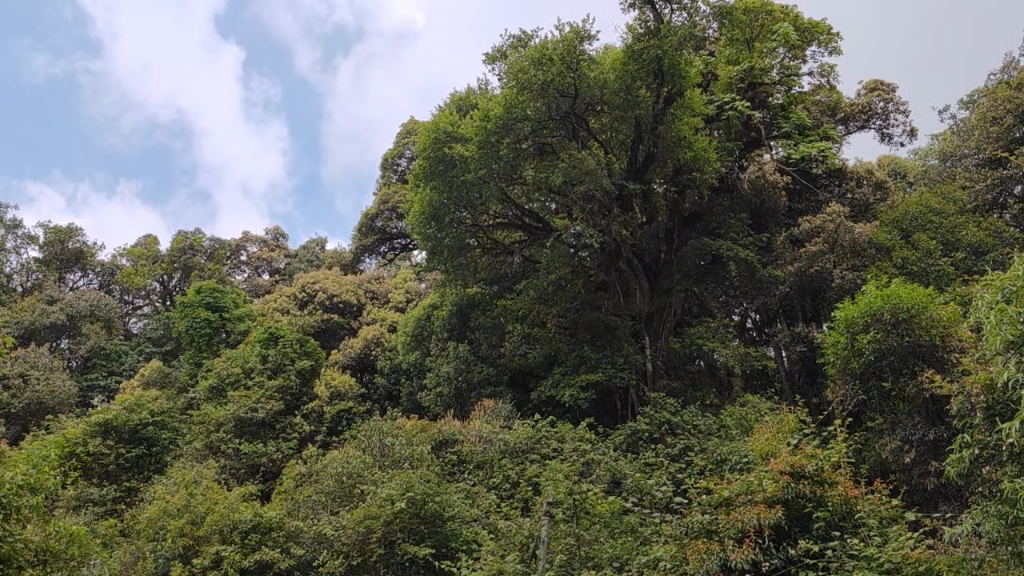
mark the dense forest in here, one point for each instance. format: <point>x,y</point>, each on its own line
<point>616,308</point>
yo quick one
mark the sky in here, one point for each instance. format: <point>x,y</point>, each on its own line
<point>149,116</point>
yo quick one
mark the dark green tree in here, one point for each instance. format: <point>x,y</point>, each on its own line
<point>988,403</point>
<point>885,352</point>
<point>258,262</point>
<point>641,184</point>
<point>982,148</point>
<point>934,238</point>
<point>115,451</point>
<point>16,243</point>
<point>150,279</point>
<point>67,258</point>
<point>382,233</point>
<point>188,524</point>
<point>33,386</point>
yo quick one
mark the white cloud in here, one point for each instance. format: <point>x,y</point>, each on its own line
<point>344,48</point>
<point>406,57</point>
<point>41,65</point>
<point>308,27</point>
<point>164,68</point>
<point>115,217</point>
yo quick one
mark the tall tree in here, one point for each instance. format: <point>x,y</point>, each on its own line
<point>982,147</point>
<point>150,278</point>
<point>382,233</point>
<point>16,244</point>
<point>884,352</point>
<point>934,238</point>
<point>258,262</point>
<point>646,179</point>
<point>67,257</point>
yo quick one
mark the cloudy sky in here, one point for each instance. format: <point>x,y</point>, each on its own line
<point>135,116</point>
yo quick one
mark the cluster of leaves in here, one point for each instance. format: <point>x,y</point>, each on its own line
<point>616,308</point>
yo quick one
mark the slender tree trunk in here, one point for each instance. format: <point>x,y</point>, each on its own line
<point>780,363</point>
<point>542,548</point>
<point>649,361</point>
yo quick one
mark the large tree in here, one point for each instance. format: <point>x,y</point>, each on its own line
<point>382,233</point>
<point>630,192</point>
<point>982,148</point>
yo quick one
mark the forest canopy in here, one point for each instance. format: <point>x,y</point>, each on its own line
<point>621,306</point>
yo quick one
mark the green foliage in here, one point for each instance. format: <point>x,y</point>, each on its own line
<point>796,508</point>
<point>249,419</point>
<point>982,148</point>
<point>382,233</point>
<point>633,191</point>
<point>66,257</point>
<point>83,328</point>
<point>118,448</point>
<point>658,324</point>
<point>149,279</point>
<point>989,408</point>
<point>932,237</point>
<point>6,344</point>
<point>258,262</point>
<point>442,358</point>
<point>879,344</point>
<point>208,319</point>
<point>883,352</point>
<point>188,524</point>
<point>35,539</point>
<point>33,386</point>
<point>16,242</point>
<point>325,305</point>
<point>272,357</point>
<point>823,260</point>
<point>381,504</point>
<point>338,405</point>
<point>313,255</point>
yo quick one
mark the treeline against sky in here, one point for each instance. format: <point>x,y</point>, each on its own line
<point>616,308</point>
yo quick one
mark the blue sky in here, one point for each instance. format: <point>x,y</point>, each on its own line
<point>135,116</point>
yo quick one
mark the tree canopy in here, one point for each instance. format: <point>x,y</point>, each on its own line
<point>621,306</point>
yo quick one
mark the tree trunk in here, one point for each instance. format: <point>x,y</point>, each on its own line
<point>542,548</point>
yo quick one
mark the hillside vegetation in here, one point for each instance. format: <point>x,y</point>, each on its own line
<point>616,308</point>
